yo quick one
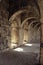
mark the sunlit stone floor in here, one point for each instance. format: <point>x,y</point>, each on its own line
<point>24,57</point>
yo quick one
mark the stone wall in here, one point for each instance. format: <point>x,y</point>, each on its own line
<point>4,26</point>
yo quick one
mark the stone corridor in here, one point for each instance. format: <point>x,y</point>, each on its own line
<point>21,22</point>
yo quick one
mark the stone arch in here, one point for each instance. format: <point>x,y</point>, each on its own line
<point>29,9</point>
<point>38,24</point>
<point>24,10</point>
<point>28,19</point>
<point>31,30</point>
<point>36,33</point>
<point>16,14</point>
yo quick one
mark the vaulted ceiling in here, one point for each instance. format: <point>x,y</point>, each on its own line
<point>15,5</point>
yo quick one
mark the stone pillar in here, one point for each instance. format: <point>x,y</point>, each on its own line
<point>41,32</point>
<point>29,34</point>
<point>41,49</point>
<point>21,36</point>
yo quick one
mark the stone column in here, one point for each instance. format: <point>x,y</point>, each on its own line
<point>20,36</point>
<point>41,32</point>
<point>29,34</point>
<point>41,49</point>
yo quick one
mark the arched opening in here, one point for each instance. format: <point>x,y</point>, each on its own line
<point>25,29</point>
<point>31,31</point>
